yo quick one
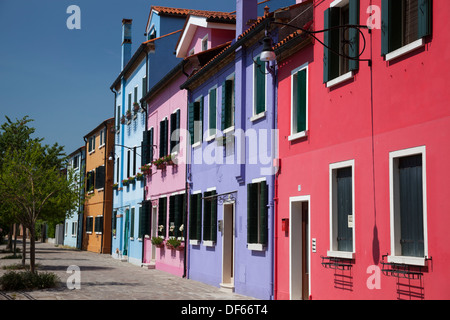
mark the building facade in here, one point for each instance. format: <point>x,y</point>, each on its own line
<point>362,176</point>
<point>73,225</point>
<point>98,187</point>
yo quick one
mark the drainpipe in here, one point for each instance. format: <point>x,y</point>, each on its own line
<point>144,107</point>
<point>104,187</point>
<point>80,204</point>
<point>84,207</point>
<point>114,149</point>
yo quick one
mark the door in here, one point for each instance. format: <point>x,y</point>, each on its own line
<point>299,250</point>
<point>126,233</point>
<point>228,247</point>
<point>154,231</point>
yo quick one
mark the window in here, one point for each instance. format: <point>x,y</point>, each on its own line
<point>259,87</point>
<point>91,144</point>
<point>128,162</point>
<point>100,177</point>
<point>147,147</point>
<point>227,119</point>
<point>257,215</point>
<point>299,102</point>
<point>98,224</point>
<point>205,43</point>
<point>176,214</point>
<point>75,162</point>
<point>195,218</point>
<point>163,138</point>
<point>162,216</point>
<point>135,94</point>
<point>196,121</point>
<point>102,137</point>
<point>117,169</point>
<point>114,223</point>
<point>144,219</point>
<point>404,24</point>
<point>133,209</point>
<point>212,112</point>
<point>144,86</point>
<point>151,35</point>
<point>118,117</point>
<point>340,42</point>
<point>90,181</point>
<point>210,217</point>
<point>66,229</point>
<point>341,209</point>
<point>408,206</point>
<point>74,228</point>
<point>89,224</point>
<point>174,131</point>
<point>129,102</point>
<point>134,161</point>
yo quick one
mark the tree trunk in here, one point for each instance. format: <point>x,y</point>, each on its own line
<point>16,231</point>
<point>9,245</point>
<point>32,248</point>
<point>24,245</point>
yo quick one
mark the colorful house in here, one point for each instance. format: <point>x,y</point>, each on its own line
<point>73,225</point>
<point>98,187</point>
<point>139,72</point>
<point>231,121</point>
<point>167,119</point>
<point>362,180</point>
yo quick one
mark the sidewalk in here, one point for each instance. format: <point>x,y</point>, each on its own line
<point>104,278</point>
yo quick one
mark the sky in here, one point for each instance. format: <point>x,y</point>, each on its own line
<point>59,77</point>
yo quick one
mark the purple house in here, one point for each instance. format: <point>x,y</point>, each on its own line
<point>231,174</point>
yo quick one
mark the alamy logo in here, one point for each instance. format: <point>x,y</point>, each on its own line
<point>74,280</point>
<point>74,21</point>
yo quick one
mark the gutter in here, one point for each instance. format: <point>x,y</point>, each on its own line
<point>144,107</point>
<point>234,46</point>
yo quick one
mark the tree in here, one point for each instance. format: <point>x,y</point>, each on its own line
<point>33,182</point>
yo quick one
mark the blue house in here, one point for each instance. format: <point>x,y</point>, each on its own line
<point>139,71</point>
<point>73,225</point>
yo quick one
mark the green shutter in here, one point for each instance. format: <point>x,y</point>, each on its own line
<point>199,216</point>
<point>214,217</point>
<point>301,100</point>
<point>213,109</point>
<point>206,217</point>
<point>162,216</point>
<point>201,117</point>
<point>132,223</point>
<point>129,102</point>
<point>150,146</point>
<point>260,79</point>
<point>173,125</point>
<point>178,214</point>
<point>326,52</point>
<point>385,17</point>
<point>162,137</point>
<point>171,214</point>
<point>191,121</point>
<point>144,86</point>
<point>263,213</point>
<point>354,34</point>
<point>223,115</point>
<point>344,209</point>
<point>145,148</point>
<point>144,219</point>
<point>424,18</point>
<point>192,218</point>
<point>252,211</point>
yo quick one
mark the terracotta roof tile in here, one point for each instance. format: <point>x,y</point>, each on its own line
<point>203,13</point>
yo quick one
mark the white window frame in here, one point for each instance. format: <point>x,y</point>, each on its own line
<point>233,103</point>
<point>333,252</point>
<point>102,141</point>
<point>261,114</point>
<point>199,143</point>
<point>296,135</point>
<point>95,223</point>
<point>93,227</point>
<point>395,256</point>
<point>74,228</point>
<point>205,41</point>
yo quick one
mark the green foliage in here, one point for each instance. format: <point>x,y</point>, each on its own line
<point>13,280</point>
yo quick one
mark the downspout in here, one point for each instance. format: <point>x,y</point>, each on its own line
<point>104,187</point>
<point>84,191</point>
<point>80,204</point>
<point>144,107</point>
<point>187,186</point>
<point>112,198</point>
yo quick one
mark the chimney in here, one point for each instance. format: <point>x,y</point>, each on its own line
<point>126,41</point>
<point>246,10</point>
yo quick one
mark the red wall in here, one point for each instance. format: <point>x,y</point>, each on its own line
<point>410,109</point>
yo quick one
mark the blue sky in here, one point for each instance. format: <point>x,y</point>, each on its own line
<point>61,77</point>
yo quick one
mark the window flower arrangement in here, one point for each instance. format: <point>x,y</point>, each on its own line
<point>159,163</point>
<point>115,186</point>
<point>173,243</point>
<point>157,241</point>
<point>136,107</point>
<point>128,114</point>
<point>131,180</point>
<point>125,182</point>
<point>146,169</point>
<point>139,176</point>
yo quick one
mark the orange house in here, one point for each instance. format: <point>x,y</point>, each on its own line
<point>98,185</point>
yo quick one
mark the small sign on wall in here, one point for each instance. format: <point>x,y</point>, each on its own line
<point>350,221</point>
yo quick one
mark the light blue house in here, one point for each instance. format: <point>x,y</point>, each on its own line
<point>149,63</point>
<point>73,225</point>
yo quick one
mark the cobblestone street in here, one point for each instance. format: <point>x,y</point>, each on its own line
<point>104,278</point>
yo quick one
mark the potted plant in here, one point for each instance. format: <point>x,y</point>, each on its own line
<point>136,107</point>
<point>123,120</point>
<point>173,243</point>
<point>115,186</point>
<point>131,180</point>
<point>157,241</point>
<point>168,160</point>
<point>125,182</point>
<point>159,163</point>
<point>139,176</point>
<point>146,169</point>
<point>128,114</point>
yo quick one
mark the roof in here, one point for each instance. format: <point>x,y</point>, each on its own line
<point>212,16</point>
<point>99,126</point>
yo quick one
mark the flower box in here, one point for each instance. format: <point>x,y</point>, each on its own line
<point>140,176</point>
<point>128,115</point>
<point>136,107</point>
